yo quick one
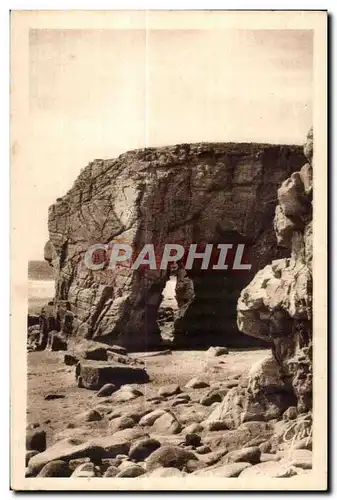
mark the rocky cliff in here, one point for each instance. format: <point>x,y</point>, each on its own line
<point>189,193</point>
<point>277,306</point>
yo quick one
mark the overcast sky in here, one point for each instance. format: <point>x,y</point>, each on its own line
<point>97,93</point>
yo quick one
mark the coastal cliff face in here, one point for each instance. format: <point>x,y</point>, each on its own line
<point>277,306</point>
<point>190,193</point>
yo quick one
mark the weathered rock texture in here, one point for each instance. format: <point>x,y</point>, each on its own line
<point>277,306</point>
<point>211,193</point>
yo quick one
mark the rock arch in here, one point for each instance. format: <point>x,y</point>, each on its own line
<point>178,194</point>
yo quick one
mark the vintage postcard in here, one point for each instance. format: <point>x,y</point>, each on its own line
<point>169,250</point>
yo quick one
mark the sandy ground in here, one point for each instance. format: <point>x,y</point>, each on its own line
<point>48,374</point>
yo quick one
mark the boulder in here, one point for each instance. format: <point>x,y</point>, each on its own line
<point>106,390</point>
<point>95,374</point>
<point>76,462</point>
<point>111,471</point>
<point>169,390</point>
<point>70,359</point>
<point>57,341</point>
<point>243,436</point>
<point>85,470</point>
<point>196,383</point>
<point>119,442</point>
<point>165,472</point>
<point>30,454</point>
<point>277,304</point>
<point>89,416</point>
<point>228,470</point>
<point>141,449</point>
<point>65,450</point>
<point>210,398</point>
<point>270,469</point>
<point>55,468</point>
<point>150,418</point>
<point>216,351</point>
<point>193,428</point>
<point>167,424</point>
<point>126,393</point>
<point>133,470</point>
<point>169,456</point>
<point>36,439</point>
<point>250,454</point>
<point>121,423</point>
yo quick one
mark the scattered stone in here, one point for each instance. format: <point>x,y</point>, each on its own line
<point>126,393</point>
<point>95,353</point>
<point>193,465</point>
<point>290,413</point>
<point>110,462</point>
<point>154,354</point>
<point>36,440</point>
<point>121,423</point>
<point>193,428</point>
<point>89,416</point>
<point>133,470</point>
<point>125,463</point>
<point>229,470</point>
<point>250,454</point>
<point>115,414</point>
<point>151,417</point>
<point>268,469</point>
<point>303,444</point>
<point>106,390</point>
<point>169,390</point>
<point>193,440</point>
<point>65,450</point>
<point>50,397</point>
<point>55,468</point>
<point>169,456</point>
<point>119,443</point>
<point>196,383</point>
<point>202,450</point>
<point>117,349</point>
<point>70,359</point>
<point>210,398</point>
<point>180,401</point>
<point>95,374</point>
<point>76,462</point>
<point>217,351</point>
<point>141,449</point>
<point>57,341</point>
<point>265,447</point>
<point>268,457</point>
<point>85,470</point>
<point>217,425</point>
<point>30,454</point>
<point>165,472</point>
<point>137,415</point>
<point>167,424</point>
<point>111,471</point>
<point>193,415</point>
<point>243,436</point>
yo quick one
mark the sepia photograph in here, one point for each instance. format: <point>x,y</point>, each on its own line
<point>168,250</point>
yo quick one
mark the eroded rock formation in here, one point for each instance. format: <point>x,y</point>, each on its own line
<point>277,306</point>
<point>210,193</point>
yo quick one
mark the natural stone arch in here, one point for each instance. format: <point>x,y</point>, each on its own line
<point>182,194</point>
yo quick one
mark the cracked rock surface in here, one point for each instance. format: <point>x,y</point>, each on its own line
<point>189,193</point>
